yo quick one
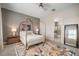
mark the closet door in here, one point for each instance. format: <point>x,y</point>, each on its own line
<point>71,32</point>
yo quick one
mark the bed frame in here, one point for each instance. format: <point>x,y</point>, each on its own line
<point>25,26</point>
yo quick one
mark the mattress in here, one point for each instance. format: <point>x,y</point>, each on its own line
<point>31,39</point>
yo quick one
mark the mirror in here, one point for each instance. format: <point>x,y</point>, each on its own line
<point>71,35</point>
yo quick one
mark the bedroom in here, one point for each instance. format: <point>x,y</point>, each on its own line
<point>40,20</point>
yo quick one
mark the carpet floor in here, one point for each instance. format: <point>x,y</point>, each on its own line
<point>43,50</point>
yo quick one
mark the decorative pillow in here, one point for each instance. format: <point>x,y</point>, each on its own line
<point>29,32</point>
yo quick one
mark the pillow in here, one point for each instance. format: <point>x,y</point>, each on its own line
<point>29,32</point>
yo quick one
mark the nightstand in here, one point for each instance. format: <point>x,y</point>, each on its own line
<point>13,39</point>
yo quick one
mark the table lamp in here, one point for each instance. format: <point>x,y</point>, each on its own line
<point>13,31</point>
<point>37,30</point>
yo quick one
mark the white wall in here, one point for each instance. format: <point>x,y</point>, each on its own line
<point>49,27</point>
<point>67,16</point>
<point>1,34</point>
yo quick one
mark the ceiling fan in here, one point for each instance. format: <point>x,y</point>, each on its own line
<point>45,6</point>
<point>41,5</point>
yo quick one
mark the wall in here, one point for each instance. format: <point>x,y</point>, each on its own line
<point>13,19</point>
<point>67,16</point>
<point>1,34</point>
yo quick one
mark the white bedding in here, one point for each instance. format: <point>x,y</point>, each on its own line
<point>31,39</point>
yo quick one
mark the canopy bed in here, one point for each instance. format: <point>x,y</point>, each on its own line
<point>27,35</point>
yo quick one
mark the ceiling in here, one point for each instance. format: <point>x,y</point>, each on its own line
<point>34,10</point>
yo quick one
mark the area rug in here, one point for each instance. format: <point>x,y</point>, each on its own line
<point>43,50</point>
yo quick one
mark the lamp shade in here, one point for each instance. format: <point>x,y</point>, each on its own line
<point>37,29</point>
<point>13,30</point>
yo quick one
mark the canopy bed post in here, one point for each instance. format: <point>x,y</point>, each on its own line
<point>29,21</point>
<point>26,38</point>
